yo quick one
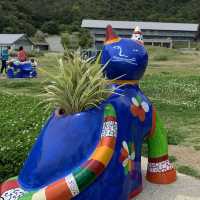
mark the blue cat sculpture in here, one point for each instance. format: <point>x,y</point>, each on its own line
<point>96,154</point>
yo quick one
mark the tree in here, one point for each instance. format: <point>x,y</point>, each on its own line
<point>70,40</point>
<point>65,40</point>
<point>50,27</point>
<point>74,40</point>
<point>197,37</point>
<point>53,17</point>
<point>39,36</point>
<point>85,39</point>
<point>27,28</point>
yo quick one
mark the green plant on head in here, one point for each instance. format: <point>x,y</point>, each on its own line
<point>78,86</point>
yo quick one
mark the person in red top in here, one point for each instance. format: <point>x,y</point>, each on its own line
<point>21,54</point>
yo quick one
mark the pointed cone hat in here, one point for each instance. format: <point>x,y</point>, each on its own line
<point>137,30</point>
<point>138,35</point>
<point>110,35</point>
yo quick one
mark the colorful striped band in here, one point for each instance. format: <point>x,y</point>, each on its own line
<point>107,141</point>
<point>112,40</point>
<point>103,154</point>
<point>8,185</point>
<point>95,166</point>
<point>110,118</point>
<point>125,82</point>
<point>72,185</point>
<point>159,159</point>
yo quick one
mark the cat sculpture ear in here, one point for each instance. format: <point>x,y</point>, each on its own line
<point>111,37</point>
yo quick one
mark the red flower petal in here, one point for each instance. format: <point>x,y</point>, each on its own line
<point>141,114</point>
<point>123,155</point>
<point>135,110</point>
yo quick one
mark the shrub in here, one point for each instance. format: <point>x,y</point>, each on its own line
<point>161,57</point>
<point>197,148</point>
<point>173,137</point>
<point>161,53</point>
<point>35,54</point>
<point>74,40</point>
<point>50,27</point>
<point>172,159</point>
<point>29,54</point>
<point>65,39</point>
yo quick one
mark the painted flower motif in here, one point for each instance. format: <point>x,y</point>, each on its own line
<point>127,156</point>
<point>139,108</point>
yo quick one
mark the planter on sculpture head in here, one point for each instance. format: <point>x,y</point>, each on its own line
<point>90,147</point>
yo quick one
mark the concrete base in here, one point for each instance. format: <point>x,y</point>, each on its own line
<point>185,188</point>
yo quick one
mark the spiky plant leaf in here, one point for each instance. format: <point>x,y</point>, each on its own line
<point>78,86</point>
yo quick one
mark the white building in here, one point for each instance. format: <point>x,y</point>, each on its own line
<point>15,41</point>
<point>155,33</point>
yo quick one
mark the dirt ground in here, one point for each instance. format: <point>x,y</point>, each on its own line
<point>186,156</point>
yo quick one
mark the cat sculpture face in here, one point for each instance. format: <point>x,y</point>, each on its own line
<point>138,37</point>
<point>125,59</point>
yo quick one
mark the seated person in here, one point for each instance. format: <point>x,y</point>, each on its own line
<point>33,63</point>
<point>21,55</point>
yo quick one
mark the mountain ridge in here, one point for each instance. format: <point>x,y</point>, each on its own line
<point>57,16</point>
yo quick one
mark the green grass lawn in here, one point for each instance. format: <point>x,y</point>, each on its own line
<point>173,85</point>
<point>172,82</point>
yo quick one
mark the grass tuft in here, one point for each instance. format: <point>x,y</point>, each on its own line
<point>172,159</point>
<point>197,148</point>
<point>188,171</point>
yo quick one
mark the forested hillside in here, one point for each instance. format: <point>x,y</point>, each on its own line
<point>54,16</point>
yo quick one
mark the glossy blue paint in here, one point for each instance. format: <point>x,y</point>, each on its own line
<point>63,144</point>
<point>22,70</point>
<point>126,59</point>
<point>113,183</point>
<point>68,141</point>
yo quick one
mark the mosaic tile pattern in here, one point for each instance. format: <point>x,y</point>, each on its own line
<point>109,129</point>
<point>71,182</point>
<point>160,166</point>
<point>12,194</point>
